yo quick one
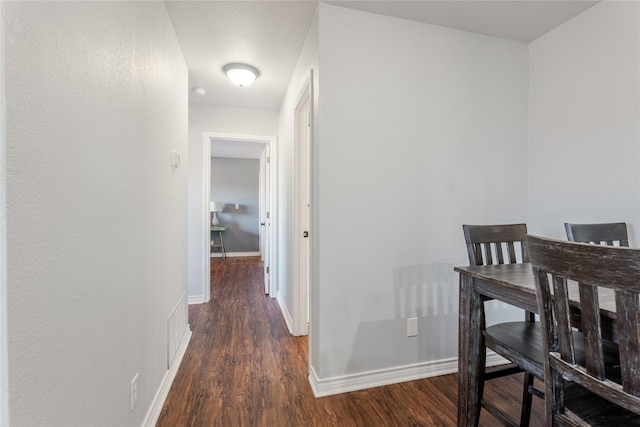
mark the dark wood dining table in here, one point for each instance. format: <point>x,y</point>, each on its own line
<point>510,283</point>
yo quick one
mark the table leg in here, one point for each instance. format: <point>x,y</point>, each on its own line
<point>224,253</point>
<point>470,346</point>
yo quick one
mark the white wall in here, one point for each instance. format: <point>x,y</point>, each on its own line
<point>203,119</point>
<point>97,220</point>
<point>4,369</point>
<point>421,129</point>
<point>584,121</point>
<point>236,181</point>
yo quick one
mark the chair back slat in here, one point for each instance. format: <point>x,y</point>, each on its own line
<point>592,331</point>
<point>563,319</point>
<point>488,253</point>
<point>485,243</point>
<point>511,248</point>
<point>628,310</point>
<point>499,256</point>
<point>592,267</point>
<point>610,234</point>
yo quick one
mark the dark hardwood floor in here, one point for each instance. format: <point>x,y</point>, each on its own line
<point>242,368</point>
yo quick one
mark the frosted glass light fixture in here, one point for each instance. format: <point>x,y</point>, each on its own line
<point>241,74</point>
<point>215,208</point>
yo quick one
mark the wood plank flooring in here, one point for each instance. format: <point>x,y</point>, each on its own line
<point>242,368</point>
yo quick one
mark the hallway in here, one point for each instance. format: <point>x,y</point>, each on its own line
<point>242,368</point>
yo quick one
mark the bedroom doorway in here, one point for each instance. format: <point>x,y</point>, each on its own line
<point>245,146</point>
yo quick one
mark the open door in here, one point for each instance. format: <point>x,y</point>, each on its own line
<point>302,211</point>
<point>265,217</point>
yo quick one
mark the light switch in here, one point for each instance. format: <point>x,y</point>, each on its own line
<point>175,159</point>
<point>237,205</point>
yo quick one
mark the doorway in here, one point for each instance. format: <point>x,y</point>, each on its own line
<point>244,146</point>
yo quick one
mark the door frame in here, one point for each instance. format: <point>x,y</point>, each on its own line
<point>302,219</point>
<point>271,142</point>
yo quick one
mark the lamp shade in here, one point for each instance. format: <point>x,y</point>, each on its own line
<point>216,206</point>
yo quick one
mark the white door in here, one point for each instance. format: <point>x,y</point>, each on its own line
<point>265,217</point>
<point>305,200</point>
<point>302,212</point>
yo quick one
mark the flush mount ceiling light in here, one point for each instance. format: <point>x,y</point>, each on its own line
<point>200,90</point>
<point>240,74</point>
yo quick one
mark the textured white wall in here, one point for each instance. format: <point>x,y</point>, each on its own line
<point>584,121</point>
<point>4,369</point>
<point>96,249</point>
<point>203,119</point>
<point>421,129</point>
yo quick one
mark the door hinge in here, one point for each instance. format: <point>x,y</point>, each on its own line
<point>267,269</point>
<point>268,214</point>
<point>305,234</point>
<point>268,159</point>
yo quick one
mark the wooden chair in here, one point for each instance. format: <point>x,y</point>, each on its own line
<point>593,389</point>
<point>611,234</point>
<point>518,342</point>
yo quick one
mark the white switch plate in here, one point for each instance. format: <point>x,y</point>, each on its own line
<point>176,160</point>
<point>412,326</point>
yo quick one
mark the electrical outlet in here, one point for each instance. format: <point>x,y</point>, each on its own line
<point>412,326</point>
<point>134,391</point>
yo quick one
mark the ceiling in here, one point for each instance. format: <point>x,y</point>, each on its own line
<point>269,35</point>
<point>266,34</point>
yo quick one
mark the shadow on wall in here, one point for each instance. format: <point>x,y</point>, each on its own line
<point>237,238</point>
<point>241,240</point>
<point>430,293</point>
<point>426,291</point>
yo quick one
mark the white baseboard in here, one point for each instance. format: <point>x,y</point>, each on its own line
<point>163,391</point>
<point>494,359</point>
<point>234,254</point>
<point>361,381</point>
<point>364,380</point>
<point>285,313</point>
<point>195,299</point>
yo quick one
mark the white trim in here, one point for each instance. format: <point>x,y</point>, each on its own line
<point>195,299</point>
<point>285,314</point>
<point>494,359</point>
<point>234,254</point>
<point>155,409</point>
<point>205,220</point>
<point>364,380</point>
